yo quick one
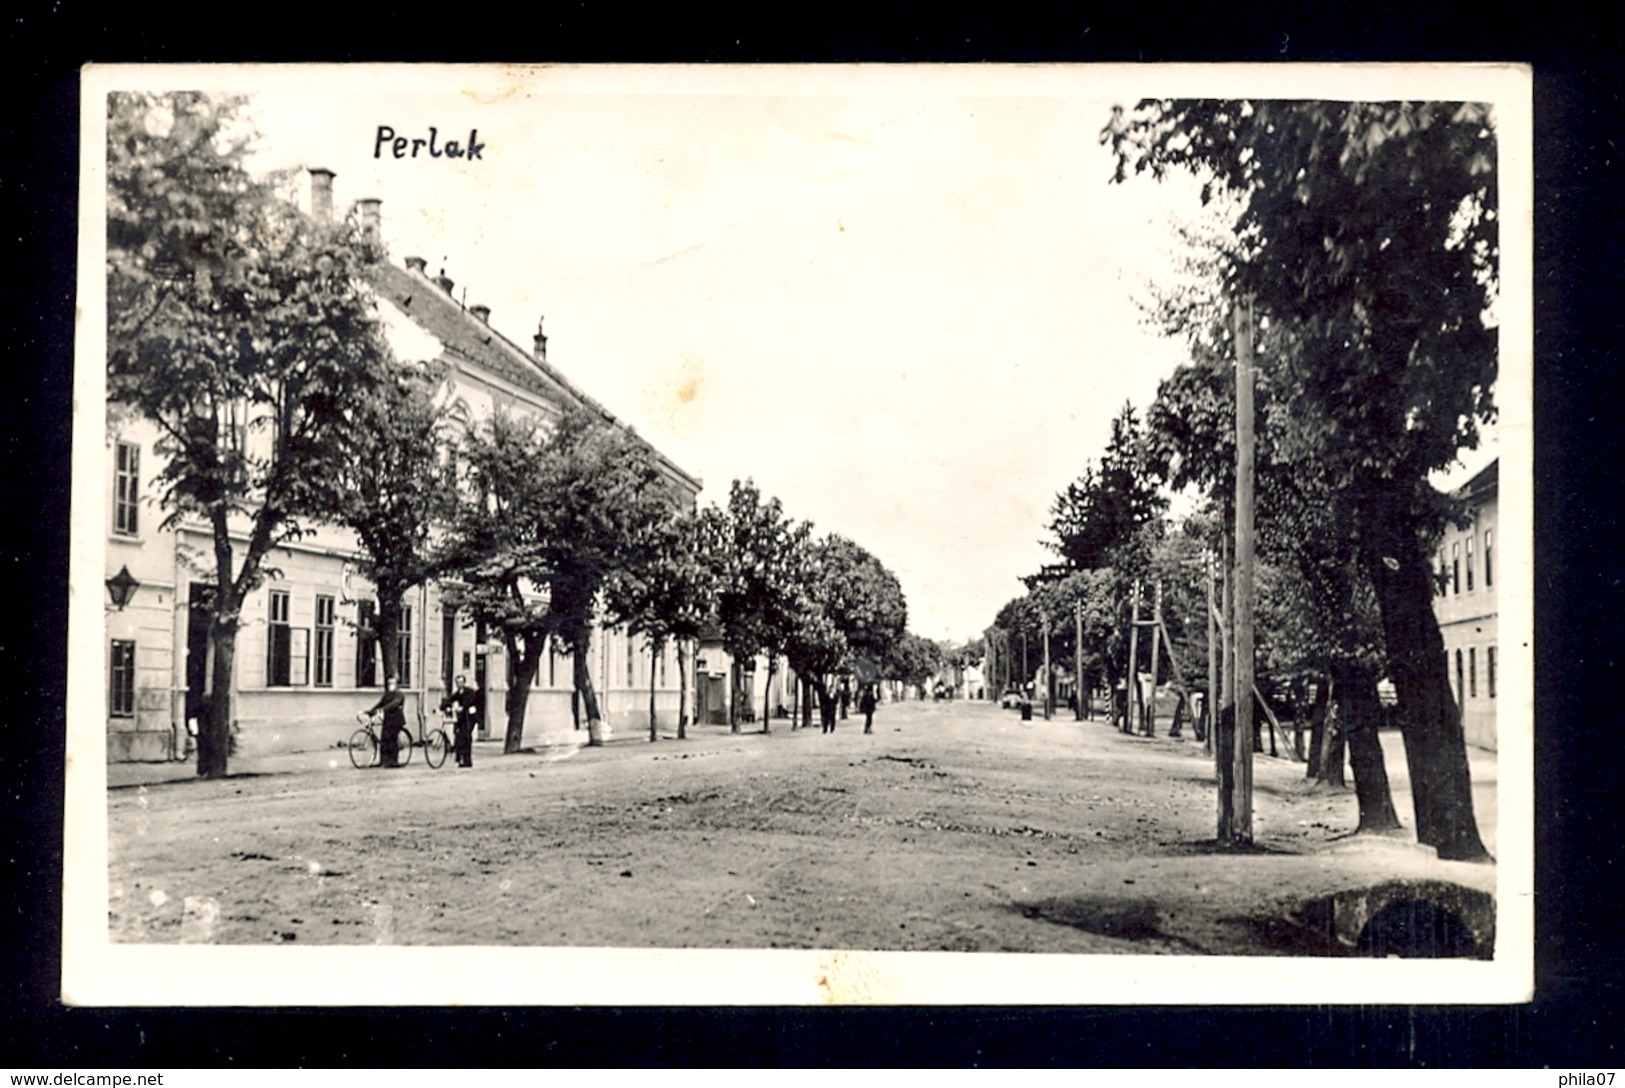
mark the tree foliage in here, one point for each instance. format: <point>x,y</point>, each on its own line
<point>848,604</point>
<point>756,555</point>
<point>1369,231</point>
<point>545,521</point>
<point>241,328</point>
<point>393,489</point>
<point>1104,509</point>
<point>912,661</point>
<point>668,594</point>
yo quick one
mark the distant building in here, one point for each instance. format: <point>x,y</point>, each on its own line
<point>1464,604</point>
<point>305,660</point>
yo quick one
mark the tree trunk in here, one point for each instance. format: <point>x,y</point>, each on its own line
<point>654,729</point>
<point>583,685</point>
<point>1362,713</point>
<point>518,697</point>
<point>806,703</point>
<point>1435,749</point>
<point>1224,761</point>
<point>767,693</point>
<point>1317,727</point>
<point>682,691</point>
<point>214,732</point>
<point>735,681</point>
<point>387,627</point>
<point>1333,746</point>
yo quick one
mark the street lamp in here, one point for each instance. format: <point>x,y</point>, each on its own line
<point>122,587</point>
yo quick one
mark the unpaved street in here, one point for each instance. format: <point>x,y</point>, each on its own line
<point>955,826</point>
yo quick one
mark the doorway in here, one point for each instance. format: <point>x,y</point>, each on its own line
<point>199,614</point>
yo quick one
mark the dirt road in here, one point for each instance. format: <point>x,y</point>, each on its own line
<point>955,826</point>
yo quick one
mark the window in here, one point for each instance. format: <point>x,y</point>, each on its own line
<point>1455,567</point>
<point>366,644</point>
<point>631,659</point>
<point>1439,575</point>
<point>552,665</point>
<point>278,642</point>
<point>662,669</point>
<point>448,647</point>
<point>368,650</point>
<point>121,679</point>
<point>404,641</point>
<point>127,489</point>
<point>1469,544</point>
<point>1489,663</point>
<point>324,640</point>
<point>1472,672</point>
<point>1489,567</point>
<point>1459,688</point>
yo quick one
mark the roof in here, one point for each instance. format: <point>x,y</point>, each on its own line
<point>1469,463</point>
<point>427,305</point>
<point>1484,484</point>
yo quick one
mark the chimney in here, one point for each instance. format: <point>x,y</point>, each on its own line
<point>417,264</point>
<point>446,283</point>
<point>321,194</point>
<point>541,340</point>
<point>481,312</point>
<point>371,217</point>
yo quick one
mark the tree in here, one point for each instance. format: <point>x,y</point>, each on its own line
<point>550,518</point>
<point>240,328</point>
<point>1315,622</point>
<point>913,661</point>
<point>667,597</point>
<point>755,552</point>
<point>495,543</point>
<point>1103,510</point>
<point>392,491</point>
<point>1370,229</point>
<point>848,604</point>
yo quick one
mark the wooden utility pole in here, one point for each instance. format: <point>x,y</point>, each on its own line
<point>1240,831</point>
<point>1049,677</point>
<point>1212,657</point>
<point>1131,694</point>
<point>1077,659</point>
<point>1026,673</point>
<point>1156,646</point>
<point>1181,688</point>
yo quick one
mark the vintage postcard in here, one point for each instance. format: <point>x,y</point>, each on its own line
<point>796,535</point>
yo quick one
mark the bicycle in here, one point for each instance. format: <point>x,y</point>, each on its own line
<point>366,744</point>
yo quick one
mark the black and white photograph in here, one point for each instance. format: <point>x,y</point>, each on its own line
<point>850,534</point>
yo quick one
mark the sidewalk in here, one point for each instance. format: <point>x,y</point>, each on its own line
<point>317,761</point>
<point>487,753</point>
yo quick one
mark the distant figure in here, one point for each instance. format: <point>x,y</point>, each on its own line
<point>844,698</point>
<point>462,703</point>
<point>866,704</point>
<point>393,704</point>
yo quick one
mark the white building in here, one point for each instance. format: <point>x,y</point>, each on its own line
<point>1464,604</point>
<point>304,664</point>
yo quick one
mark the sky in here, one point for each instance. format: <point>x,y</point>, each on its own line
<point>902,300</point>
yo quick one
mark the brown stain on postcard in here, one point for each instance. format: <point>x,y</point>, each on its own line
<point>851,978</point>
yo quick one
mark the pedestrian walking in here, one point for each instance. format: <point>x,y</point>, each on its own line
<point>866,704</point>
<point>845,699</point>
<point>393,705</point>
<point>462,702</point>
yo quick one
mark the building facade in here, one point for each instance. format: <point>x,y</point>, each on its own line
<point>1464,603</point>
<point>306,661</point>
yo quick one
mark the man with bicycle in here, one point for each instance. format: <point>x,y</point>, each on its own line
<point>463,704</point>
<point>393,704</point>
